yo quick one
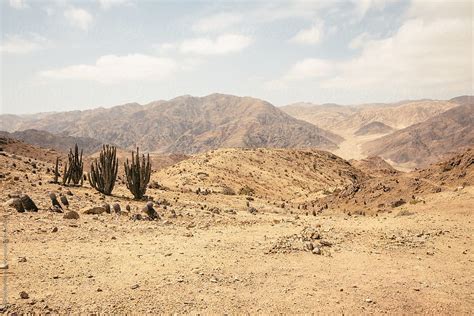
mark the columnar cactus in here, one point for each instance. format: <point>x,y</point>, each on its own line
<point>104,171</point>
<point>138,174</point>
<point>56,171</point>
<point>73,169</point>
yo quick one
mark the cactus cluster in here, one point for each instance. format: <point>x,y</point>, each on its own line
<point>137,174</point>
<point>73,169</point>
<point>104,171</point>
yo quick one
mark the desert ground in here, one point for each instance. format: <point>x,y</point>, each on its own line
<point>217,253</point>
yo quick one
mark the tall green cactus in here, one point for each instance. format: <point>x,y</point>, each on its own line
<point>73,170</point>
<point>104,171</point>
<point>138,174</point>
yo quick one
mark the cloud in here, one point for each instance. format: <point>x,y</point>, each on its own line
<point>222,44</point>
<point>107,4</point>
<point>112,69</point>
<point>430,53</point>
<point>217,22</point>
<point>18,4</point>
<point>79,18</point>
<point>358,41</point>
<point>309,68</point>
<point>310,36</point>
<point>16,44</point>
<point>362,7</point>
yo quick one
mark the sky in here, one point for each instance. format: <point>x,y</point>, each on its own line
<point>62,55</point>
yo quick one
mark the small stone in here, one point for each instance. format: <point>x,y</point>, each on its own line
<point>135,286</point>
<point>24,295</point>
<point>22,259</point>
<point>3,266</point>
<point>368,300</point>
<point>16,204</point>
<point>94,210</point>
<point>71,215</point>
<point>316,251</point>
<point>54,230</point>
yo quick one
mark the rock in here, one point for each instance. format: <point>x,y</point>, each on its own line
<point>150,211</point>
<point>22,259</point>
<point>135,286</point>
<point>116,208</point>
<point>16,204</point>
<point>309,246</point>
<point>368,300</point>
<point>64,200</point>
<point>94,210</point>
<point>3,266</point>
<point>136,217</point>
<point>316,251</point>
<point>398,203</point>
<point>55,201</point>
<point>128,208</point>
<point>71,215</point>
<point>28,203</point>
<point>54,230</point>
<point>56,209</point>
<point>252,210</point>
<point>24,295</point>
<point>68,192</point>
<point>106,206</point>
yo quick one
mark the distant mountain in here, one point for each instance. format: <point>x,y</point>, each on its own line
<point>187,125</point>
<point>54,141</point>
<point>429,141</point>
<point>374,128</point>
<point>348,119</point>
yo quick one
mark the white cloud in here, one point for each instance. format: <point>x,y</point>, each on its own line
<point>112,69</point>
<point>217,22</point>
<point>16,44</point>
<point>309,68</point>
<point>79,18</point>
<point>310,36</point>
<point>18,4</point>
<point>107,4</point>
<point>431,53</point>
<point>223,44</point>
<point>359,41</point>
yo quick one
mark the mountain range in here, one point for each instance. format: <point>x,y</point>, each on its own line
<point>408,133</point>
<point>185,124</point>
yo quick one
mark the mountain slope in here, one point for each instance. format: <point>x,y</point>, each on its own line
<point>426,142</point>
<point>348,119</point>
<point>279,174</point>
<point>55,141</point>
<point>189,125</point>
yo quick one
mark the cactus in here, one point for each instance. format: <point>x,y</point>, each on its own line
<point>73,169</point>
<point>56,171</point>
<point>137,174</point>
<point>104,171</point>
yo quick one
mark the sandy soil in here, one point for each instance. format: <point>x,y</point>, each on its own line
<point>208,254</point>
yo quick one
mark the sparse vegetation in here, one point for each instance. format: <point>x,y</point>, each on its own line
<point>104,171</point>
<point>73,170</point>
<point>137,174</point>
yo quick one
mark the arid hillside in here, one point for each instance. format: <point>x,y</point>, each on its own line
<point>58,142</point>
<point>186,125</point>
<point>386,192</point>
<point>348,119</point>
<point>429,141</point>
<point>274,174</point>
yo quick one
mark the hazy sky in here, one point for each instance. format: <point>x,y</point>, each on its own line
<point>64,55</point>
